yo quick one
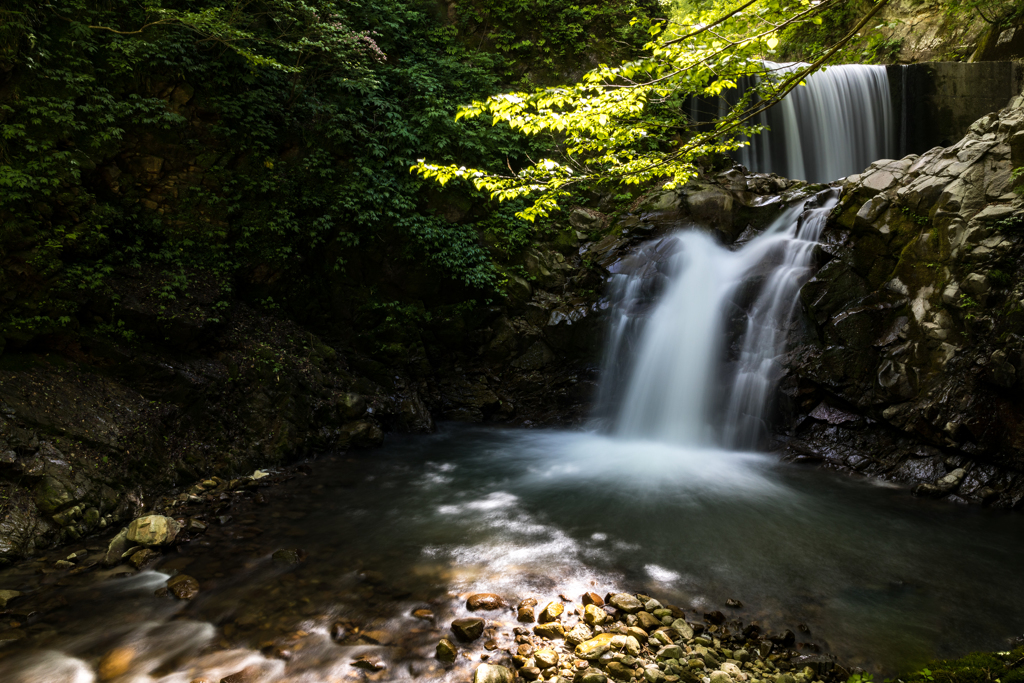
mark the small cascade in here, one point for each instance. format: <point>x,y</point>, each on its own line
<point>679,386</point>
<point>832,127</point>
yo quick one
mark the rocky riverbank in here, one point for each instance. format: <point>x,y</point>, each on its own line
<point>631,637</point>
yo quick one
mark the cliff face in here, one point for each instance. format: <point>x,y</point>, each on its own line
<point>910,361</point>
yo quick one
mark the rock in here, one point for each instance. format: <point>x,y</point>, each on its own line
<point>648,621</point>
<point>284,556</point>
<point>720,677</point>
<point>733,603</point>
<point>153,530</point>
<point>545,658</point>
<point>714,617</point>
<point>592,599</point>
<point>977,284</point>
<point>116,663</point>
<point>250,674</point>
<point>143,557</point>
<point>524,612</point>
<point>183,587</point>
<point>599,644</point>
<point>638,633</point>
<point>653,674</point>
<point>492,673</point>
<point>550,630</point>
<point>551,613</point>
<point>684,630</point>
<point>594,615</point>
<point>590,677</point>
<point>625,602</point>
<point>530,673</point>
<point>485,602</point>
<point>469,629</point>
<point>661,636</point>
<point>369,663</point>
<point>578,634</point>
<point>424,614</point>
<point>619,671</point>
<point>351,406</point>
<point>670,652</point>
<point>6,595</point>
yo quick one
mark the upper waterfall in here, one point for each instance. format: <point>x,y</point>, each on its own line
<point>835,125</point>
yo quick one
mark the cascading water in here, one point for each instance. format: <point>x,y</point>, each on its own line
<point>835,125</point>
<point>674,390</point>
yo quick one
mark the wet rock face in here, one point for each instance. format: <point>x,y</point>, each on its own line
<point>907,364</point>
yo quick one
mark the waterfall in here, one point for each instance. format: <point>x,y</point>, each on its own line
<point>680,386</point>
<point>834,126</point>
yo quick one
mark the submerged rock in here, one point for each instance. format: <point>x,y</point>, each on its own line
<point>183,586</point>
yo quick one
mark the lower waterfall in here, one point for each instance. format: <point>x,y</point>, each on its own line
<point>681,387</point>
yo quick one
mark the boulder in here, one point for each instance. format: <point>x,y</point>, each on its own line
<point>153,530</point>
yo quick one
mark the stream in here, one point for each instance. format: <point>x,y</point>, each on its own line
<point>854,568</point>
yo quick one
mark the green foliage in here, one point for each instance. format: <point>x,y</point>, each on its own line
<point>977,667</point>
<point>286,129</point>
<point>1000,277</point>
<point>626,124</point>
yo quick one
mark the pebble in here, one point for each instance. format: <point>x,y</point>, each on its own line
<point>551,613</point>
<point>468,629</point>
<point>485,602</point>
<point>599,644</point>
<point>424,614</point>
<point>116,663</point>
<point>6,595</point>
<point>524,612</point>
<point>546,658</point>
<point>592,599</point>
<point>551,630</point>
<point>446,651</point>
<point>578,634</point>
<point>625,602</point>
<point>142,558</point>
<point>594,615</point>
<point>183,586</point>
<point>492,673</point>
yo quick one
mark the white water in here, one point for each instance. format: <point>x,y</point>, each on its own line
<point>680,389</point>
<point>834,126</point>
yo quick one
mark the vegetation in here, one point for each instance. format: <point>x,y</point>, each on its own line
<point>628,124</point>
<point>224,148</point>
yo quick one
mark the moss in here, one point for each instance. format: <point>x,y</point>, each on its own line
<point>977,667</point>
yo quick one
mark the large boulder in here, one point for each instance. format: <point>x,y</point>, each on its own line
<point>153,530</point>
